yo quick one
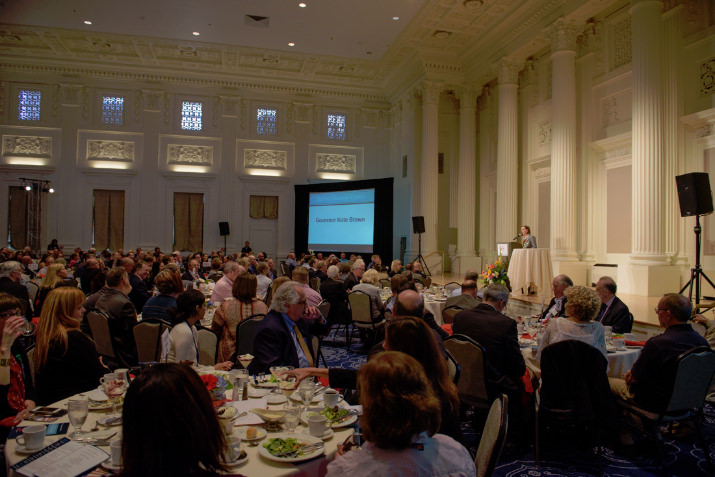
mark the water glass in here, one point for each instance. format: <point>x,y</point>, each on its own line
<point>77,411</point>
<point>291,418</point>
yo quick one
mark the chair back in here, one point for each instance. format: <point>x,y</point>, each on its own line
<point>283,268</point>
<point>427,282</point>
<point>31,362</point>
<point>32,290</point>
<point>246,332</point>
<point>385,282</point>
<point>315,284</point>
<point>451,286</point>
<point>188,284</point>
<point>471,358</point>
<point>147,336</point>
<point>100,333</point>
<point>449,312</point>
<point>360,307</point>
<point>694,373</point>
<point>208,344</point>
<point>324,308</point>
<point>493,437</point>
<point>452,368</point>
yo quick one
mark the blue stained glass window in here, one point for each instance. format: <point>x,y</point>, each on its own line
<point>191,116</point>
<point>336,127</point>
<point>29,105</point>
<point>113,110</point>
<point>266,121</point>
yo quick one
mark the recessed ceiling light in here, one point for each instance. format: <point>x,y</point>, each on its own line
<point>302,5</point>
<point>196,33</point>
<point>87,22</point>
<point>291,44</point>
<point>395,18</point>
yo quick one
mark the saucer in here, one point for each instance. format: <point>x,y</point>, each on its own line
<point>328,434</point>
<point>109,421</point>
<point>243,457</point>
<point>22,450</point>
<point>107,465</point>
<point>275,399</point>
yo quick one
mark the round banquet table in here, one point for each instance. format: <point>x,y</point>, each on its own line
<point>530,267</point>
<point>435,307</point>
<point>618,362</point>
<point>255,465</point>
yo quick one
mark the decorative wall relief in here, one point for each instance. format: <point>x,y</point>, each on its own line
<point>110,150</point>
<point>344,163</point>
<point>27,146</point>
<point>542,173</point>
<point>707,77</point>
<point>610,111</point>
<point>545,133</point>
<point>265,159</point>
<point>191,155</point>
<point>622,49</point>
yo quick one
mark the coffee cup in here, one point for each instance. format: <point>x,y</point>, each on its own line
<point>233,449</point>
<point>620,343</point>
<point>121,374</point>
<point>116,449</point>
<point>318,425</point>
<point>32,437</point>
<point>332,398</point>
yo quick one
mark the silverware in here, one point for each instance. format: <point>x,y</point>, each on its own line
<point>351,413</point>
<point>320,391</point>
<point>244,413</point>
<point>307,448</point>
<point>95,438</point>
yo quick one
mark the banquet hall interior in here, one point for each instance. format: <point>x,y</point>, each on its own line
<point>147,124</point>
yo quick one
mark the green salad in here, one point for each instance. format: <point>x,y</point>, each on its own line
<point>277,446</point>
<point>334,414</point>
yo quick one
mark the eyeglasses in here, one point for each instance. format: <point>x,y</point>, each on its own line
<point>659,309</point>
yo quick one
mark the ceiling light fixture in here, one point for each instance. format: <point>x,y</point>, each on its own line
<point>37,184</point>
<point>28,187</point>
<point>87,22</point>
<point>196,33</point>
<point>302,5</point>
<point>395,18</point>
<point>291,44</point>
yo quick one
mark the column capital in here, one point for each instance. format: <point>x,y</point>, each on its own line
<point>507,71</point>
<point>562,34</point>
<point>637,3</point>
<point>467,97</point>
<point>430,91</point>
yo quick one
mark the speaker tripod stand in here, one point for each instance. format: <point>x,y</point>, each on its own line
<point>419,258</point>
<point>697,272</point>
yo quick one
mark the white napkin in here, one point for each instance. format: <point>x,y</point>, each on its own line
<point>249,419</point>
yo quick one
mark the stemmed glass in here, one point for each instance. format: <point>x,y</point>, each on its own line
<point>306,391</point>
<point>27,328</point>
<point>114,386</point>
<point>77,411</point>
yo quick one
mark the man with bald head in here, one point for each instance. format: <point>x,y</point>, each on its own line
<point>557,305</point>
<point>409,303</point>
<point>223,289</point>
<point>467,299</point>
<point>614,312</point>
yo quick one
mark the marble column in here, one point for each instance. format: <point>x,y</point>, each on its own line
<point>647,246</point>
<point>564,198</point>
<point>466,183</point>
<point>429,170</point>
<point>507,151</point>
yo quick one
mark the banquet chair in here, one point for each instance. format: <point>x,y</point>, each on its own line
<point>269,297</point>
<point>32,290</point>
<point>208,346</point>
<point>452,368</point>
<point>100,334</point>
<point>30,352</point>
<point>451,286</point>
<point>246,332</point>
<point>385,283</point>
<point>324,308</point>
<point>472,360</point>
<point>315,284</point>
<point>694,372</point>
<point>283,268</point>
<point>362,316</point>
<point>575,397</point>
<point>493,437</point>
<point>317,345</point>
<point>427,282</point>
<point>449,312</point>
<point>147,336</point>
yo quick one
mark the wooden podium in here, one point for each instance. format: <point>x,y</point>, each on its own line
<point>505,249</point>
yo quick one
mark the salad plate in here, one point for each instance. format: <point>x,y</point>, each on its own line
<point>336,418</point>
<point>285,442</point>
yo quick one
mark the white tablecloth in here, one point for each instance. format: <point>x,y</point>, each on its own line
<point>435,307</point>
<point>531,267</point>
<point>618,362</point>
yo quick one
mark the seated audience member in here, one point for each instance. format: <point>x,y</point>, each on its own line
<point>472,275</point>
<point>184,338</point>
<point>709,331</point>
<point>497,334</point>
<point>312,297</point>
<point>401,427</point>
<point>66,360</point>
<point>121,314</point>
<point>169,285</point>
<point>192,272</point>
<point>139,294</point>
<point>650,382</point>
<point>557,305</point>
<point>333,291</point>
<point>222,290</point>
<point>343,271</point>
<point>271,271</point>
<point>395,268</point>
<point>375,262</point>
<point>353,278</point>
<point>233,311</point>
<point>10,275</point>
<point>263,280</point>
<point>284,336</point>
<point>581,309</point>
<point>17,393</point>
<point>396,283</point>
<point>614,312</point>
<point>56,276</point>
<point>467,299</point>
<point>409,303</point>
<point>275,285</point>
<point>188,443</point>
<point>215,272</point>
<point>321,270</point>
<point>417,272</point>
<point>368,285</point>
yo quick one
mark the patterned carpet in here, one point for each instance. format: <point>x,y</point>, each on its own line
<point>684,456</point>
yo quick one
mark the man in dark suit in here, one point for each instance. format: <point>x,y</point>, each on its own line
<point>497,334</point>
<point>614,312</point>
<point>284,336</point>
<point>332,290</point>
<point>557,305</point>
<point>467,299</point>
<point>409,303</point>
<point>10,275</point>
<point>115,303</point>
<point>139,294</point>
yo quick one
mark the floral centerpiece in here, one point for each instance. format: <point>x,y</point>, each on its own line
<point>217,386</point>
<point>496,273</point>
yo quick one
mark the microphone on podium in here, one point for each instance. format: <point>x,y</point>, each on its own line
<point>516,237</point>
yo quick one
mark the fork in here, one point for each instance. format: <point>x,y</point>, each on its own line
<point>308,448</point>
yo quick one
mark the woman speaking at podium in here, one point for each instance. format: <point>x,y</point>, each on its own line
<point>527,240</point>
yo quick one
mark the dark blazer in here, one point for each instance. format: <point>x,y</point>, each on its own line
<point>334,292</point>
<point>465,302</point>
<point>122,319</point>
<point>350,281</point>
<point>139,294</point>
<point>273,344</point>
<point>618,317</point>
<point>497,334</point>
<point>561,313</point>
<point>7,285</point>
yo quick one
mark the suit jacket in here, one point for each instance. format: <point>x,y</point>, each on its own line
<point>334,292</point>
<point>497,334</point>
<point>7,285</point>
<point>561,313</point>
<point>465,302</point>
<point>273,344</point>
<point>618,317</point>
<point>122,319</point>
<point>139,294</point>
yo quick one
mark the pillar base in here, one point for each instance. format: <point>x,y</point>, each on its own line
<point>644,280</point>
<point>575,270</point>
<point>462,263</point>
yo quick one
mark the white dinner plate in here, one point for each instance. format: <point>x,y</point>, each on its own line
<point>266,384</point>
<point>241,432</point>
<point>349,421</point>
<point>301,438</point>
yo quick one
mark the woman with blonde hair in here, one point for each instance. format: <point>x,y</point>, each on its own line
<point>66,360</point>
<point>395,268</point>
<point>54,277</point>
<point>368,286</point>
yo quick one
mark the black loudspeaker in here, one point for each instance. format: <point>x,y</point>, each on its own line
<point>694,194</point>
<point>223,229</point>
<point>418,225</point>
